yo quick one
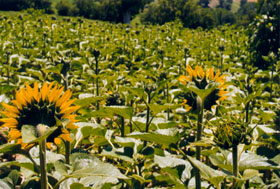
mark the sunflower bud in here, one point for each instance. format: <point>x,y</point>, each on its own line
<point>41,129</point>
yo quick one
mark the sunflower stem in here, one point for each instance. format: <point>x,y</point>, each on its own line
<point>67,152</point>
<point>43,165</point>
<point>235,163</point>
<point>200,105</point>
<point>122,126</point>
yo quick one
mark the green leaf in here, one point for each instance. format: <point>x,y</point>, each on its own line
<point>60,167</point>
<point>141,179</point>
<point>124,111</point>
<point>136,91</point>
<point>160,136</point>
<point>88,129</point>
<point>169,161</point>
<point>54,69</point>
<point>118,154</point>
<point>249,173</point>
<point>88,101</point>
<point>159,108</point>
<point>213,176</point>
<point>250,160</point>
<point>29,134</point>
<point>14,176</point>
<point>4,185</point>
<point>78,186</point>
<point>276,159</point>
<point>92,171</point>
<point>202,93</point>
<point>10,148</point>
<point>26,165</point>
<point>7,88</point>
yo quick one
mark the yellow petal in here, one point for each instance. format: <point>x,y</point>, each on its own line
<point>222,98</point>
<point>36,92</point>
<point>201,72</point>
<point>49,145</point>
<point>44,91</point>
<point>17,103</point>
<point>10,108</point>
<point>184,79</point>
<point>217,75</point>
<point>190,71</point>
<point>188,108</point>
<point>57,141</point>
<point>66,105</point>
<point>65,137</point>
<point>20,98</point>
<point>222,93</point>
<point>70,110</point>
<point>63,98</point>
<point>14,134</point>
<point>55,94</point>
<point>210,74</point>
<point>9,120</point>
<point>72,118</point>
<point>9,114</point>
<point>71,126</point>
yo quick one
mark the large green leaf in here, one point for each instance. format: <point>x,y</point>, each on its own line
<point>160,136</point>
<point>250,160</point>
<point>159,108</point>
<point>213,176</point>
<point>119,153</point>
<point>91,171</point>
<point>202,93</point>
<point>10,148</point>
<point>170,161</point>
<point>87,99</point>
<point>4,185</point>
<point>29,134</point>
<point>124,111</point>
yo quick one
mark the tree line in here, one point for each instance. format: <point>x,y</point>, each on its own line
<point>192,13</point>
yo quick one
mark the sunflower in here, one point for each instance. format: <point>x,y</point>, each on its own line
<point>34,106</point>
<point>203,80</point>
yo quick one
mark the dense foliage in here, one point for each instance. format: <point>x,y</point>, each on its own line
<point>192,13</point>
<point>24,4</point>
<point>264,34</point>
<point>136,127</point>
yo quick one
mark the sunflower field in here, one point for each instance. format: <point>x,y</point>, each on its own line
<point>88,104</point>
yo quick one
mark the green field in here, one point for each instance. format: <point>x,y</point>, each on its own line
<point>153,106</point>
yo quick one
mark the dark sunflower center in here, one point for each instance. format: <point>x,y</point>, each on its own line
<point>41,112</point>
<point>209,101</point>
<point>200,83</point>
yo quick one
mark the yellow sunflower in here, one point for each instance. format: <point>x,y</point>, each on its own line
<point>204,80</point>
<point>33,106</point>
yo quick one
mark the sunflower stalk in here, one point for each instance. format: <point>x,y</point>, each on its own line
<point>67,143</point>
<point>200,106</point>
<point>122,126</point>
<point>43,160</point>
<point>235,163</point>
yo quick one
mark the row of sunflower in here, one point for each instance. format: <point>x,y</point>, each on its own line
<point>133,125</point>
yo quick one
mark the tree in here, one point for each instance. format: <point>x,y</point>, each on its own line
<point>66,8</point>
<point>243,3</point>
<point>18,5</point>
<point>131,7</point>
<point>264,33</point>
<point>226,4</point>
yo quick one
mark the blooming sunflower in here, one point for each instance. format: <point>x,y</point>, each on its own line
<point>203,80</point>
<point>34,106</point>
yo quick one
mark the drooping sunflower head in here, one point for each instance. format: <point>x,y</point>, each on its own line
<point>201,79</point>
<point>34,106</point>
